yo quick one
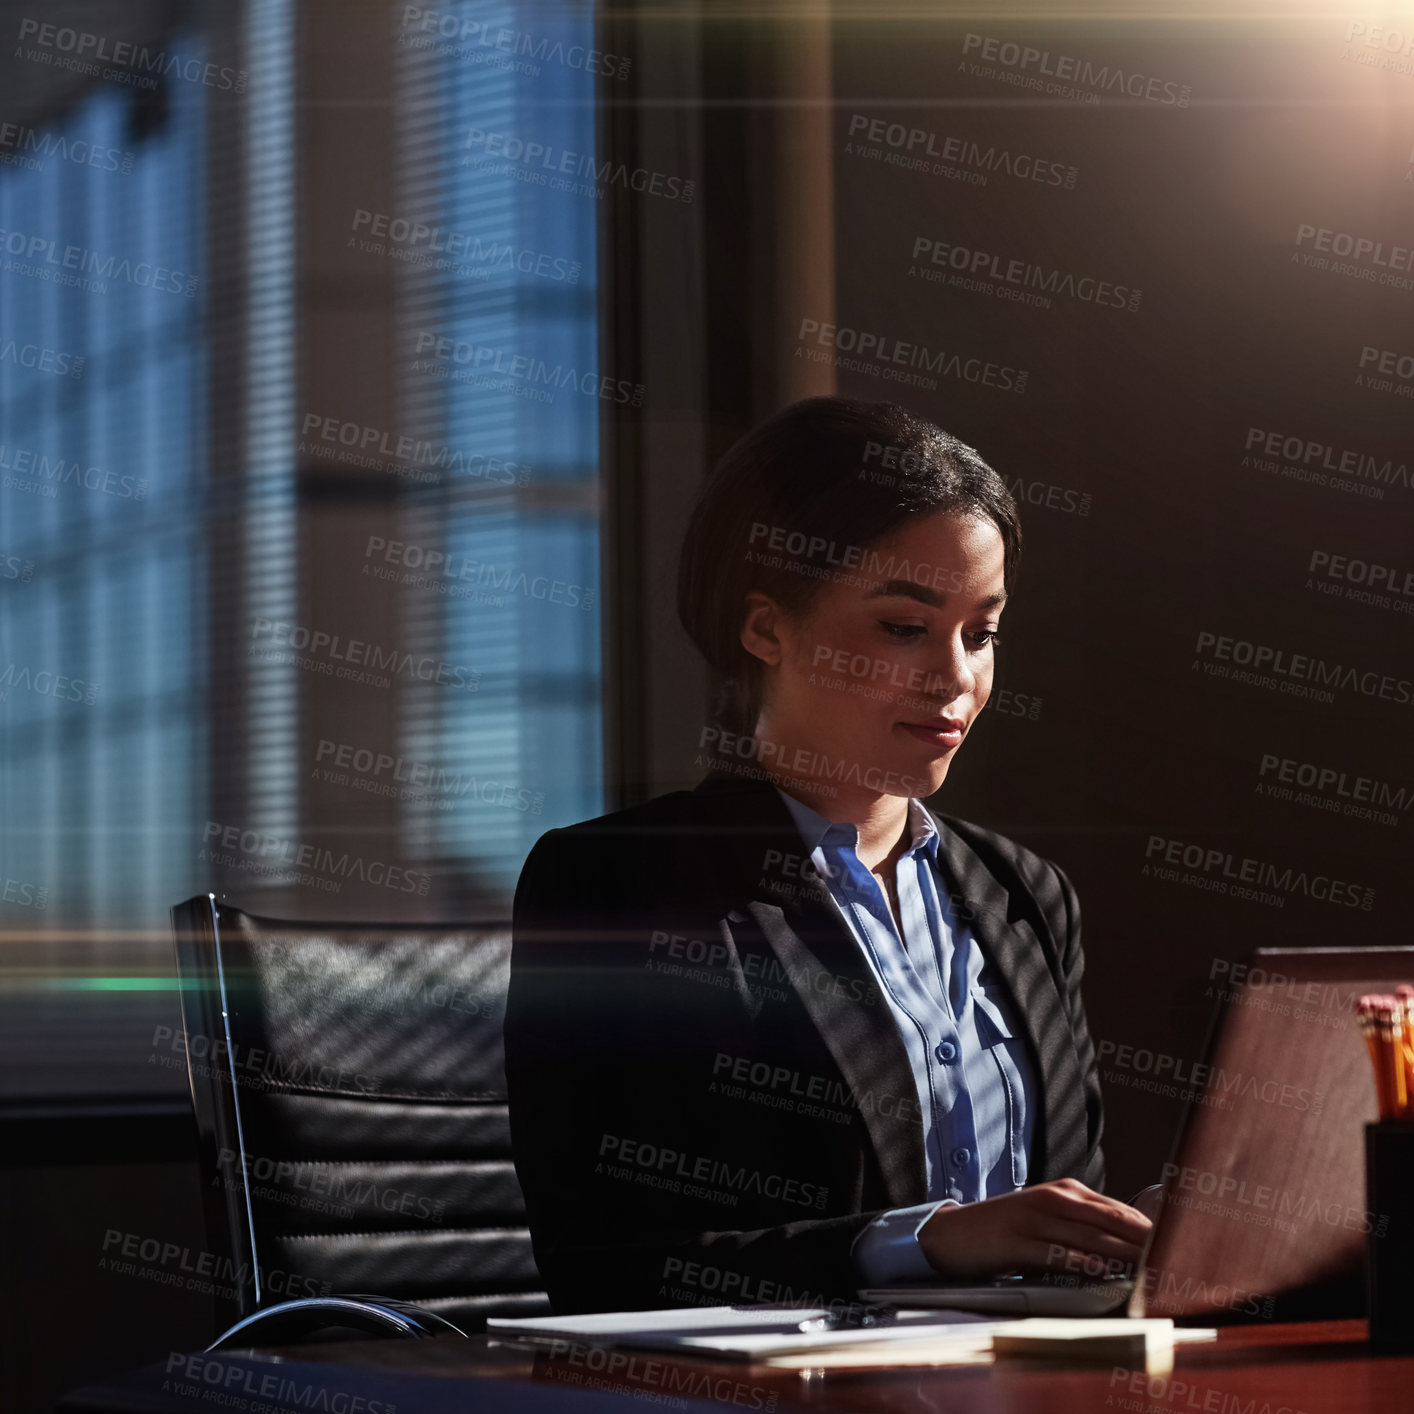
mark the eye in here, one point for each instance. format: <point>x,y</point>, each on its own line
<point>986,636</point>
<point>905,631</point>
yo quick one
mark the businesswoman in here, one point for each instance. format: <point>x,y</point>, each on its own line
<point>792,1033</point>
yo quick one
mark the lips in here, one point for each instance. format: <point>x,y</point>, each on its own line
<point>942,734</point>
<point>939,724</point>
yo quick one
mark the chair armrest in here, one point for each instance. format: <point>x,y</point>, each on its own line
<point>290,1321</point>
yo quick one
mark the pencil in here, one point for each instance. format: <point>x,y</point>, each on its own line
<point>1391,1023</point>
<point>1364,1016</point>
<point>1405,995</point>
<point>1377,1028</point>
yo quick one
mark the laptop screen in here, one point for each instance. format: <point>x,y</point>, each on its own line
<point>1264,1214</point>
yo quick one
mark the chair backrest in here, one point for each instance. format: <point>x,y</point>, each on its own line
<point>350,1093</point>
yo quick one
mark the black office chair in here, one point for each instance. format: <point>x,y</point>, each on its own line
<point>350,1096</point>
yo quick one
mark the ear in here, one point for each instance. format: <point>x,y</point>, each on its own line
<point>761,621</point>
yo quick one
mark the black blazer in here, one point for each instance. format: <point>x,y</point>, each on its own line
<point>709,1099</point>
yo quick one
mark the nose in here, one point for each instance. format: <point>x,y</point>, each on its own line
<point>953,675</point>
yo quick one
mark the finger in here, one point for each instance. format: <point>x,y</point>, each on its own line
<point>1074,1226</point>
<point>1076,1189</point>
<point>1080,1192</point>
<point>1105,1213</point>
<point>1080,1237</point>
<point>1120,1219</point>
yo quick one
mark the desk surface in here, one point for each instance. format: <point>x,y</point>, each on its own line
<point>1310,1367</point>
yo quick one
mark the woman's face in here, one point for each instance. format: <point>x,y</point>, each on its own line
<point>872,690</point>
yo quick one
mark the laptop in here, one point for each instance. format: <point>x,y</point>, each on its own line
<point>1262,1212</point>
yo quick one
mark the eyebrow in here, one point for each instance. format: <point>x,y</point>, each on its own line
<point>911,589</point>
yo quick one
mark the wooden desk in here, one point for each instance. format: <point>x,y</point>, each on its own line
<point>1313,1367</point>
<point>1310,1368</point>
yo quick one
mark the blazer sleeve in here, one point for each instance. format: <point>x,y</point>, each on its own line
<point>1073,970</point>
<point>589,1054</point>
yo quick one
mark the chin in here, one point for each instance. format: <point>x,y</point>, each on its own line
<point>924,777</point>
<point>933,779</point>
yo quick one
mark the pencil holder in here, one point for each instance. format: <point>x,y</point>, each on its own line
<point>1389,1265</point>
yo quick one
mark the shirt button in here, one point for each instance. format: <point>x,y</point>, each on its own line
<point>960,1156</point>
<point>946,1052</point>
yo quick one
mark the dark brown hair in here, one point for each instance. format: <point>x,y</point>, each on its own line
<point>834,472</point>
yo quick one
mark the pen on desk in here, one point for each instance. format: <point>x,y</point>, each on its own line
<point>850,1318</point>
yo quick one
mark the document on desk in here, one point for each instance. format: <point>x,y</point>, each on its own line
<point>743,1333</point>
<point>1136,1343</point>
<point>771,1335</point>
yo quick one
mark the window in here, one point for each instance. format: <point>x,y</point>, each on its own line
<point>508,397</point>
<point>103,497</point>
<point>153,391</point>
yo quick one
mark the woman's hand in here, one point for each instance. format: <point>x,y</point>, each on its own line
<point>1058,1226</point>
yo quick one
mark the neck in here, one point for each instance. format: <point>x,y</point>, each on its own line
<point>882,820</point>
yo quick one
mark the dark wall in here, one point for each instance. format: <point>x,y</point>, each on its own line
<point>1158,521</point>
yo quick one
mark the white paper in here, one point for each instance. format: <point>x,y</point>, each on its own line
<point>748,1332</point>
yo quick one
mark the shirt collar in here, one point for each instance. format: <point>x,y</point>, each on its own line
<point>814,827</point>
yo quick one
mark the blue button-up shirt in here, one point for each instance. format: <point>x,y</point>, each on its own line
<point>977,1089</point>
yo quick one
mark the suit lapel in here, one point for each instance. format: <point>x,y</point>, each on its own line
<point>837,988</point>
<point>1010,941</point>
<point>820,953</point>
<point>816,949</point>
